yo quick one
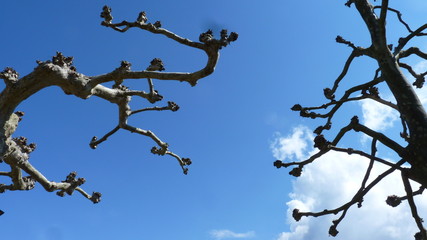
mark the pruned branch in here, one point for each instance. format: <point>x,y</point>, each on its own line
<point>411,203</point>
<point>368,90</point>
<point>333,229</point>
<point>395,201</point>
<point>171,106</point>
<point>355,200</point>
<point>18,160</point>
<point>142,24</point>
<point>412,113</point>
<point>60,71</point>
<point>325,146</point>
<point>95,141</point>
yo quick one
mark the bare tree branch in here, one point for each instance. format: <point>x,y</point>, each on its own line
<point>412,50</point>
<point>61,72</point>
<point>405,40</point>
<point>383,14</point>
<point>411,203</point>
<point>356,199</point>
<point>398,13</point>
<point>357,52</point>
<point>419,78</point>
<point>412,113</point>
<point>95,141</point>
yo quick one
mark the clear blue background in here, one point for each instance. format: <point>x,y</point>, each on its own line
<point>285,54</point>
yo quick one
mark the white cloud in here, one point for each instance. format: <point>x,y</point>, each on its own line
<point>298,232</point>
<point>331,181</point>
<point>221,234</point>
<point>378,116</point>
<point>421,67</point>
<point>292,146</point>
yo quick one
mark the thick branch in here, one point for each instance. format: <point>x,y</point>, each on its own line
<point>191,78</point>
<point>382,138</point>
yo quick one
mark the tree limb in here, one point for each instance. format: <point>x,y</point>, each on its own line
<point>356,199</point>
<point>405,40</point>
<point>61,72</point>
<point>411,203</point>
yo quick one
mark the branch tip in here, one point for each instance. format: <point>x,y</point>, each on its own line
<point>348,3</point>
<point>278,164</point>
<point>333,231</point>
<point>106,15</point>
<point>393,201</point>
<point>329,94</point>
<point>225,39</point>
<point>296,214</point>
<point>296,107</point>
<point>142,18</point>
<point>9,75</point>
<point>156,65</point>
<point>92,143</point>
<point>186,161</point>
<point>62,61</point>
<point>157,24</point>
<point>173,106</point>
<point>296,172</point>
<point>96,197</point>
<point>321,143</point>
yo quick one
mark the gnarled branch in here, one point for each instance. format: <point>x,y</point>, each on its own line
<point>412,113</point>
<point>61,72</point>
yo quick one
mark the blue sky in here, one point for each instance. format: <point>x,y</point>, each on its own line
<point>285,54</point>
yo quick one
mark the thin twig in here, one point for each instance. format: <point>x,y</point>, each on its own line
<point>413,206</point>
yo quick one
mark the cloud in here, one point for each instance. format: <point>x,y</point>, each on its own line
<point>294,145</point>
<point>330,182</point>
<point>333,179</point>
<point>377,116</point>
<point>222,234</point>
<point>421,66</point>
